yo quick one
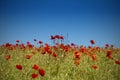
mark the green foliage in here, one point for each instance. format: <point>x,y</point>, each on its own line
<point>58,68</point>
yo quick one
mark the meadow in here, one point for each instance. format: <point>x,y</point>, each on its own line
<point>59,61</point>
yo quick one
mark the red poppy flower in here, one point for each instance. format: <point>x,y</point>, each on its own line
<point>83,50</point>
<point>109,54</point>
<point>57,36</point>
<point>92,41</point>
<point>40,42</point>
<point>65,48</point>
<point>106,45</point>
<point>117,62</point>
<point>28,43</point>
<point>61,37</point>
<point>55,48</point>
<point>52,37</point>
<point>34,75</point>
<point>28,56</point>
<point>94,67</point>
<point>112,46</point>
<point>54,55</point>
<point>94,57</point>
<point>35,40</point>
<point>77,55</point>
<point>72,44</point>
<point>33,53</point>
<point>7,57</point>
<point>89,47</point>
<point>19,67</point>
<point>17,41</point>
<point>36,67</point>
<point>49,52</point>
<point>43,52</point>
<point>8,44</point>
<point>16,44</point>
<point>41,72</point>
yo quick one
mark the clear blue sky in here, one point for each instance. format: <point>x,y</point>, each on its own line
<point>82,20</point>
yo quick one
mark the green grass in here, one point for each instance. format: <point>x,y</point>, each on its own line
<point>59,68</point>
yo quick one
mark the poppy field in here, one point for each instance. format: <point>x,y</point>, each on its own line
<point>59,61</point>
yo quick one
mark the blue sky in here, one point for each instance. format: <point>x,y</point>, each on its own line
<point>82,20</point>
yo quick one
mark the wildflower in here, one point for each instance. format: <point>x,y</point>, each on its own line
<point>54,55</point>
<point>33,53</point>
<point>61,37</point>
<point>7,57</point>
<point>17,41</point>
<point>19,67</point>
<point>36,67</point>
<point>43,52</point>
<point>106,45</point>
<point>109,54</point>
<point>112,46</point>
<point>49,52</point>
<point>72,44</point>
<point>66,48</point>
<point>55,48</point>
<point>34,75</point>
<point>57,36</point>
<point>40,42</point>
<point>77,55</point>
<point>16,44</point>
<point>28,56</point>
<point>92,41</point>
<point>94,57</point>
<point>41,72</point>
<point>94,67</point>
<point>47,47</point>
<point>8,44</point>
<point>52,37</point>
<point>28,43</point>
<point>35,40</point>
<point>117,62</point>
<point>83,50</point>
<point>89,47</point>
